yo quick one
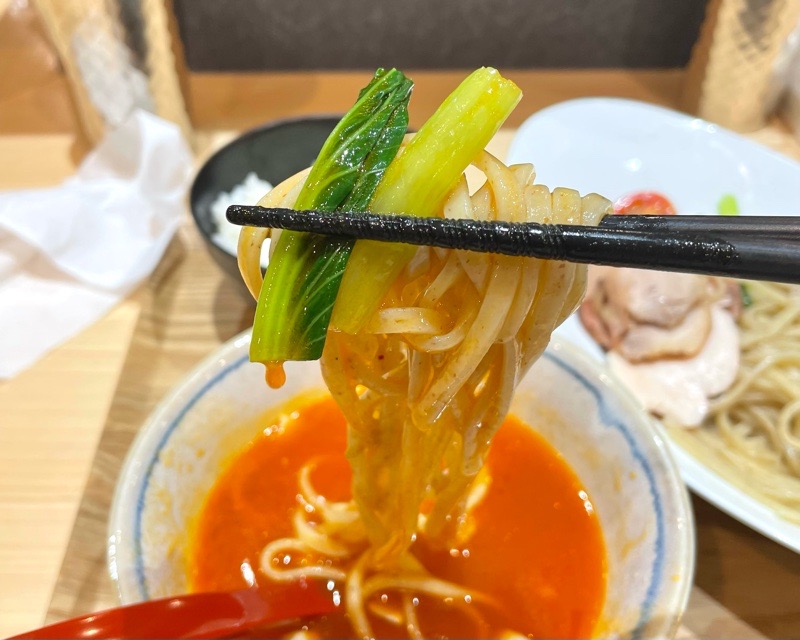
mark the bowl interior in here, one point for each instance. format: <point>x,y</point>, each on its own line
<point>622,461</point>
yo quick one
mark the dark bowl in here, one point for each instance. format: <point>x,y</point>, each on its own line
<point>274,151</point>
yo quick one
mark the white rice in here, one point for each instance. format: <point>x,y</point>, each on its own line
<point>248,192</point>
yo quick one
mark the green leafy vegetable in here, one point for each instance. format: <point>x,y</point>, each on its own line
<point>728,206</point>
<point>747,299</point>
<point>304,273</point>
<point>417,183</point>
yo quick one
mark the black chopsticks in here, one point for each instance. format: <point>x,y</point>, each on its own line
<point>787,227</point>
<point>754,248</point>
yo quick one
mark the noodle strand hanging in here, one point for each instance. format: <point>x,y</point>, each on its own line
<point>424,387</point>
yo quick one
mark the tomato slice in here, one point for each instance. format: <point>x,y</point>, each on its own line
<point>644,202</point>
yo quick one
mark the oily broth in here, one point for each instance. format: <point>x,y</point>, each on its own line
<point>536,547</point>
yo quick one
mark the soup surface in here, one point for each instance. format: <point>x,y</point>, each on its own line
<point>535,545</point>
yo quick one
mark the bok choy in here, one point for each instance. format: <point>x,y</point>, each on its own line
<point>305,270</point>
<point>418,182</point>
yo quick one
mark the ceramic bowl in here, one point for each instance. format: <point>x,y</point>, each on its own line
<point>621,458</point>
<point>273,151</point>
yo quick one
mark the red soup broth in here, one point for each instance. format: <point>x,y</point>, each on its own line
<point>537,546</point>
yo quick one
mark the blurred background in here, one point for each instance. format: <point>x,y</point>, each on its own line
<point>418,34</point>
<point>729,61</point>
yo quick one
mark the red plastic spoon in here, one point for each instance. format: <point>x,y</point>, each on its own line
<point>196,615</point>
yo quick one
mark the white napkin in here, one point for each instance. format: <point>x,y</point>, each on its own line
<point>69,253</point>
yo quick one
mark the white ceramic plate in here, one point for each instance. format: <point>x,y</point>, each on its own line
<point>615,147</point>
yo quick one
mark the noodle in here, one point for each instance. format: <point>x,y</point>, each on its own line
<point>424,388</point>
<point>752,433</point>
<point>251,238</point>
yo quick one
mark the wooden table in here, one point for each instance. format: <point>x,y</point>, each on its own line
<point>52,415</point>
